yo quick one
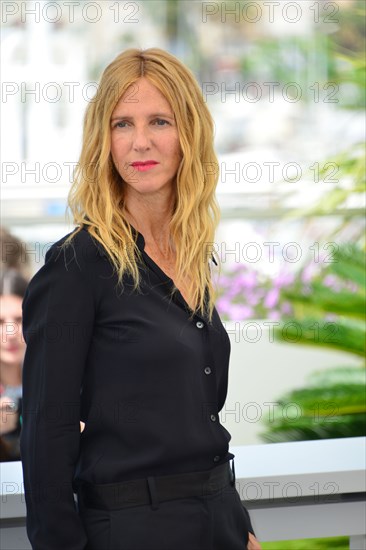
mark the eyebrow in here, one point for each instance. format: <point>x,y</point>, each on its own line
<point>163,115</point>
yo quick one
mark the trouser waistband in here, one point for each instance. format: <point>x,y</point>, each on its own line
<point>155,489</point>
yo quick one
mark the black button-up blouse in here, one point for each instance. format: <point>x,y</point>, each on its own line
<point>147,380</point>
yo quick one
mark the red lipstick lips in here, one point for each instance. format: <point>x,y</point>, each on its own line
<point>142,166</point>
<point>143,163</point>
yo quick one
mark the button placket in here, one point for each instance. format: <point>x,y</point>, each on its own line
<point>207,370</point>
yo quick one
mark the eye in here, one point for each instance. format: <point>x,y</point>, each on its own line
<point>161,122</point>
<point>120,124</point>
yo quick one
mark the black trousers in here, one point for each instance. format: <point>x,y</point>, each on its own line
<point>216,521</point>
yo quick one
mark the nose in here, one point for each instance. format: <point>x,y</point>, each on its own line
<point>141,138</point>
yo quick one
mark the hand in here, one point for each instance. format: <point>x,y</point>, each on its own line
<point>253,543</point>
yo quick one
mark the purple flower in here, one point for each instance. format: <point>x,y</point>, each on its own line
<point>235,287</point>
<point>248,279</point>
<point>238,267</point>
<point>308,273</point>
<point>283,279</point>
<point>252,298</point>
<point>332,282</point>
<point>272,298</point>
<point>223,305</point>
<point>275,315</point>
<point>351,286</point>
<point>225,281</point>
<point>286,308</point>
<point>240,311</point>
<point>233,291</point>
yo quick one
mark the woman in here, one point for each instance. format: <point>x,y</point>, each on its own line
<point>14,253</point>
<point>123,334</point>
<point>12,347</point>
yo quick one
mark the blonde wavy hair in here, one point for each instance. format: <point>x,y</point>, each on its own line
<point>96,197</point>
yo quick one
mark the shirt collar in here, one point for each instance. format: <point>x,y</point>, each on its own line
<point>139,238</point>
<point>140,241</point>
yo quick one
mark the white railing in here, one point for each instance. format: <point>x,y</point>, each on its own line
<point>296,490</point>
<point>305,489</point>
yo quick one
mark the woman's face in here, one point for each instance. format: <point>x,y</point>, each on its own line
<point>12,345</point>
<point>144,139</point>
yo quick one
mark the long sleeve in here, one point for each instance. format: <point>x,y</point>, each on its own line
<point>58,318</point>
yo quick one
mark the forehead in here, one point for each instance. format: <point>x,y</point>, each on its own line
<point>142,96</point>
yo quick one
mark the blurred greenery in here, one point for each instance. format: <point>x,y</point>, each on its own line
<point>351,182</point>
<point>351,72</point>
<point>333,57</point>
<point>332,316</point>
<point>350,32</point>
<point>333,405</point>
<point>329,315</point>
<point>336,75</point>
<point>336,543</point>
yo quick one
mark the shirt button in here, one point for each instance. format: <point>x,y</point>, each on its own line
<point>199,324</point>
<point>217,458</point>
<point>207,370</point>
<point>213,417</point>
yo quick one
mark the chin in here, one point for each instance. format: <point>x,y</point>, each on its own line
<point>10,358</point>
<point>150,188</point>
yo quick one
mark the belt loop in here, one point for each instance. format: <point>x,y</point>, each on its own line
<point>233,478</point>
<point>153,493</point>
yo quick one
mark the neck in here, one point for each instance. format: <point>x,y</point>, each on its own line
<point>151,216</point>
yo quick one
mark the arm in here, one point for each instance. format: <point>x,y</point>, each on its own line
<point>58,316</point>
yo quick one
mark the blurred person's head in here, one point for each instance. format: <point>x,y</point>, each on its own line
<point>13,252</point>
<point>97,197</point>
<point>12,346</point>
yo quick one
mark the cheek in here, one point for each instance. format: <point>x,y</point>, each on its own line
<point>114,149</point>
<point>21,339</point>
<point>118,147</point>
<point>173,149</point>
<point>118,154</point>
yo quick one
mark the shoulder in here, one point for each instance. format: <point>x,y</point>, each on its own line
<point>63,286</point>
<point>70,260</point>
<point>77,247</point>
